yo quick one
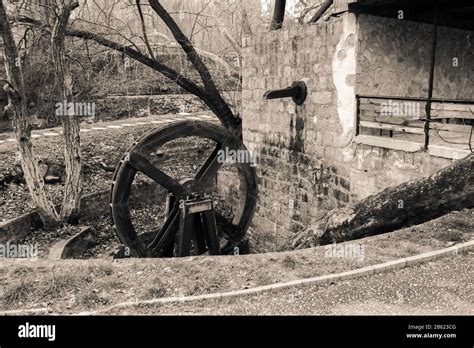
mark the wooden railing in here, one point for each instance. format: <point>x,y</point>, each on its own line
<point>401,124</point>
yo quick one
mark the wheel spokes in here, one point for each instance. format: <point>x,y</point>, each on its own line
<point>212,165</point>
<point>140,161</point>
<point>208,162</point>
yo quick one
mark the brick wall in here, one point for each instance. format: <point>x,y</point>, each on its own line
<point>297,180</point>
<point>308,161</point>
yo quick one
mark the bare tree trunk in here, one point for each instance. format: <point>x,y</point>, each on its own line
<point>72,144</point>
<point>415,202</point>
<point>278,15</point>
<point>17,103</point>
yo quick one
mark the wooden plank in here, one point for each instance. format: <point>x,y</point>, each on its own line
<point>436,105</point>
<point>396,128</point>
<point>378,111</point>
<point>452,139</point>
<point>210,232</point>
<point>416,127</point>
<point>437,114</point>
<point>184,233</point>
<point>370,101</point>
<point>448,152</point>
<point>198,234</point>
<point>199,206</point>
<point>368,111</point>
<point>170,202</point>
<point>457,128</point>
<point>414,138</point>
<point>389,143</point>
<point>371,107</point>
<point>452,107</point>
<point>392,120</point>
<point>369,117</point>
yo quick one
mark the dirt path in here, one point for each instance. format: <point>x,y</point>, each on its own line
<point>75,286</point>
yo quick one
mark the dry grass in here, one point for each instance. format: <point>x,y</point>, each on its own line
<point>289,262</point>
<point>17,294</point>
<point>92,299</point>
<point>155,292</point>
<point>101,270</point>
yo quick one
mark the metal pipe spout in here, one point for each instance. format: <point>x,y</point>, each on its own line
<point>297,91</point>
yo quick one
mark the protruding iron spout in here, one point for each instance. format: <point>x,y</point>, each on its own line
<point>298,92</point>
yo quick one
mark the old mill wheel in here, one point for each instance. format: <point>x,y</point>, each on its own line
<point>142,160</point>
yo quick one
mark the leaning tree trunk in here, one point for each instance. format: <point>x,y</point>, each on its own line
<point>415,202</point>
<point>72,144</point>
<point>15,89</point>
<point>212,96</point>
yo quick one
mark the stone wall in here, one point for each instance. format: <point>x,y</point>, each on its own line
<point>395,56</point>
<point>122,107</point>
<point>308,161</point>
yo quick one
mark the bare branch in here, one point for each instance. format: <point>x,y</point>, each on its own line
<point>223,111</point>
<point>132,53</point>
<point>145,36</point>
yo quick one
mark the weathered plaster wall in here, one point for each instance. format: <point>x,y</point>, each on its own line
<point>344,75</point>
<point>395,56</point>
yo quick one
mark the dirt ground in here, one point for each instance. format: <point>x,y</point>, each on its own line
<point>441,287</point>
<point>74,286</point>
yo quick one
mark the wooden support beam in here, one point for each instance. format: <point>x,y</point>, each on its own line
<point>210,229</point>
<point>389,143</point>
<point>184,233</point>
<point>397,128</point>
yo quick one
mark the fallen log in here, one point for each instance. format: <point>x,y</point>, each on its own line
<point>411,203</point>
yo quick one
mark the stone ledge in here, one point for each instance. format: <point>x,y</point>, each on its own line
<point>74,246</point>
<point>17,228</point>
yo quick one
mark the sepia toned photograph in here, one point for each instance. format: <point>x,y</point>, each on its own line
<point>163,158</point>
